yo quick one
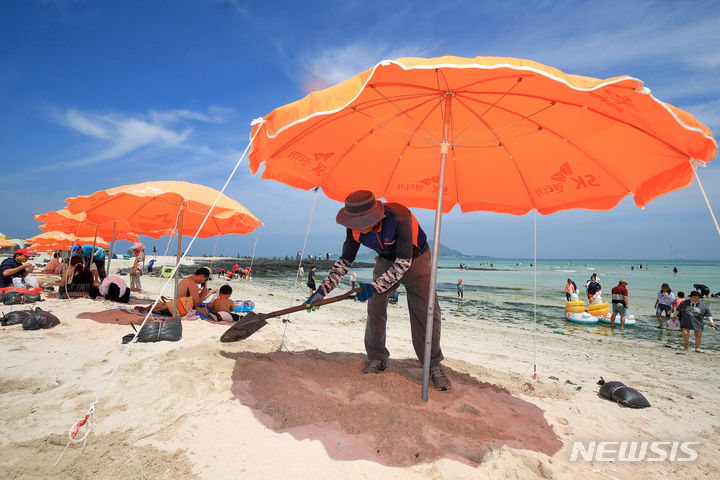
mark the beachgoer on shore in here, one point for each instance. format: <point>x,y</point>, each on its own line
<point>114,288</point>
<point>620,303</point>
<point>692,315</point>
<point>77,278</point>
<point>195,286</point>
<point>570,288</point>
<point>460,288</point>
<point>704,290</point>
<point>674,320</point>
<point>96,256</point>
<point>311,280</point>
<point>403,258</point>
<point>675,270</point>
<point>16,269</point>
<point>353,279</point>
<point>223,306</point>
<point>592,287</point>
<point>664,303</point>
<point>138,266</point>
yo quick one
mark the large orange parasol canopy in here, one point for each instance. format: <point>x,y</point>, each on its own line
<point>496,134</point>
<point>77,224</point>
<point>154,208</point>
<point>520,136</point>
<point>54,240</point>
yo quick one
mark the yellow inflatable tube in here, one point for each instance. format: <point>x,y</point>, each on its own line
<point>598,306</point>
<point>597,313</point>
<point>576,303</point>
<point>576,309</point>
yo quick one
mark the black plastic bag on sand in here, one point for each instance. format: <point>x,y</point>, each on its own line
<point>14,318</point>
<point>40,319</point>
<point>17,298</point>
<point>12,298</point>
<point>622,394</point>
<point>169,331</point>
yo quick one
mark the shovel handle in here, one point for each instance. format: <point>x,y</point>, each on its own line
<point>324,301</point>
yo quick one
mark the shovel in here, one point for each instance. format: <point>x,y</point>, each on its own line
<point>252,322</point>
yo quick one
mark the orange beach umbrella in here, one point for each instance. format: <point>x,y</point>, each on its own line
<point>60,241</point>
<point>494,134</point>
<point>77,224</point>
<point>7,243</point>
<point>155,208</point>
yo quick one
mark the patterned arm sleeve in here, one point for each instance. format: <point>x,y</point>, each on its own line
<point>393,275</point>
<point>338,271</point>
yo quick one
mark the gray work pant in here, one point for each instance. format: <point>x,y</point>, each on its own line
<point>417,284</point>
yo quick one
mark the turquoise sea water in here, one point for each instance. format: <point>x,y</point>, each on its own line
<point>505,293</point>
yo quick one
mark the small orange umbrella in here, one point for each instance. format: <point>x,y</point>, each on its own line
<point>495,134</point>
<point>61,241</point>
<point>7,243</point>
<point>154,208</point>
<point>76,223</point>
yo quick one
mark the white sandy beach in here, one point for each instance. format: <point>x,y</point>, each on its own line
<point>203,409</point>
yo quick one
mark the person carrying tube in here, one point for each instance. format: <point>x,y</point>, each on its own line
<point>392,231</point>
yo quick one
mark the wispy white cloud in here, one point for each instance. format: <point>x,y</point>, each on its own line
<point>333,65</point>
<point>120,134</point>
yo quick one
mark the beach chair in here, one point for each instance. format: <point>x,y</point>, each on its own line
<point>166,271</point>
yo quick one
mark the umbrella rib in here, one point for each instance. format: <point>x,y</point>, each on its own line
<point>553,132</point>
<point>509,125</point>
<point>490,107</point>
<point>355,109</point>
<point>404,112</point>
<point>589,109</point>
<point>372,132</point>
<point>507,150</point>
<point>407,145</point>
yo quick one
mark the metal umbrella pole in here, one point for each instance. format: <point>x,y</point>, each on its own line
<point>112,247</point>
<point>444,146</point>
<point>177,258</point>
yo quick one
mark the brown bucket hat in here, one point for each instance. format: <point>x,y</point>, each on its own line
<point>361,211</point>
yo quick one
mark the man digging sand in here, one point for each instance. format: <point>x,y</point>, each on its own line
<point>403,258</point>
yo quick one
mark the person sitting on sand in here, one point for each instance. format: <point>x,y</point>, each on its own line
<point>692,314</point>
<point>223,306</point>
<point>15,270</point>
<point>188,286</point>
<point>77,278</point>
<point>53,265</point>
<point>115,289</point>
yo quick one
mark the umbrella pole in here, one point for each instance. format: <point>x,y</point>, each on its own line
<point>112,247</point>
<point>444,146</point>
<point>177,259</point>
<point>92,252</point>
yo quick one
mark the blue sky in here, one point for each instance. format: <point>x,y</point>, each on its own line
<point>95,94</point>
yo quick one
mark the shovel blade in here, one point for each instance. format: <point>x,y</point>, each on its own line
<point>246,326</point>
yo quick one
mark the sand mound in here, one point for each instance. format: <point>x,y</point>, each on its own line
<point>106,456</point>
<point>323,396</point>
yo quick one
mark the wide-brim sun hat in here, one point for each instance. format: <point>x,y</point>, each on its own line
<point>361,211</point>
